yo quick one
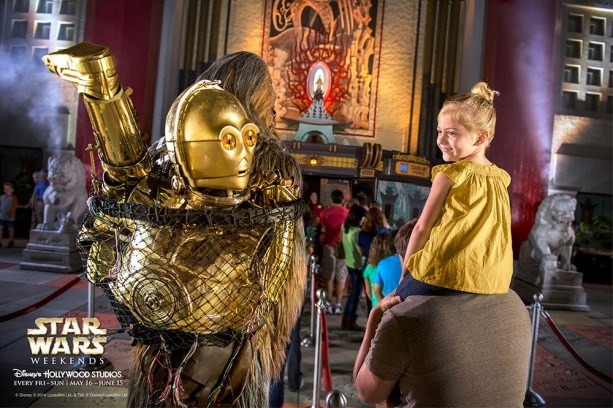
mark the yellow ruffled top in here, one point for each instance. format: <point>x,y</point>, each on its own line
<point>469,248</point>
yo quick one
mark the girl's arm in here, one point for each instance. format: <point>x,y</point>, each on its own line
<point>378,291</point>
<point>367,288</point>
<point>421,232</point>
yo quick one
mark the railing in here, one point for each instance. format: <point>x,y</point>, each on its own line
<point>334,398</point>
<point>533,399</point>
<point>308,340</point>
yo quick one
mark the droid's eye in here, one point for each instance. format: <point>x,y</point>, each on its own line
<point>250,137</point>
<point>228,141</point>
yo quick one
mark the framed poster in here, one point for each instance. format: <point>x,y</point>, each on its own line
<point>334,45</point>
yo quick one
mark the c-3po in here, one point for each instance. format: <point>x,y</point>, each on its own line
<point>188,250</point>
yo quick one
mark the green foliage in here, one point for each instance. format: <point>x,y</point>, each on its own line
<point>596,234</point>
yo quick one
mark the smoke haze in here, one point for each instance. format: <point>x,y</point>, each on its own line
<point>30,99</point>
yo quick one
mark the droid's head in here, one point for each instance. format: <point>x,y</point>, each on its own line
<point>210,139</point>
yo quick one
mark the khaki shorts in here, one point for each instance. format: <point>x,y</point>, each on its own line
<point>332,268</point>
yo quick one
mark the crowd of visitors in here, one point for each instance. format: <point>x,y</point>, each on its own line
<point>9,203</point>
<point>355,271</point>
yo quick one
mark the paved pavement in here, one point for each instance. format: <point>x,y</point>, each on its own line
<point>558,377</point>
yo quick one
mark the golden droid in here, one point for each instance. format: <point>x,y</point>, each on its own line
<point>209,138</point>
<point>194,248</point>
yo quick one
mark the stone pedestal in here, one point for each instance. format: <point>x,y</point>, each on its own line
<point>545,258</point>
<point>561,290</point>
<point>52,251</point>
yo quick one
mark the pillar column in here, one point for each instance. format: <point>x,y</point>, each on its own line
<point>520,62</point>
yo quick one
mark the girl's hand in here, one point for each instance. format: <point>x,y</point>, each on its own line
<point>388,302</point>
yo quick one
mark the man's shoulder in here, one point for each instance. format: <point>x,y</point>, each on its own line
<point>463,306</point>
<point>334,210</point>
<point>450,318</point>
<point>457,342</point>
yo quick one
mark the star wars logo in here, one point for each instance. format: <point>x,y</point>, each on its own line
<point>64,335</point>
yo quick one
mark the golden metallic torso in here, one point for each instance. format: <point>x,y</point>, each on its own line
<point>193,278</point>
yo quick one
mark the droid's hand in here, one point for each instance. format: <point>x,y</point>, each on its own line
<point>121,148</point>
<point>89,67</point>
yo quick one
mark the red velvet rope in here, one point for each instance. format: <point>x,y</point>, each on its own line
<point>572,351</point>
<point>325,356</point>
<point>41,302</point>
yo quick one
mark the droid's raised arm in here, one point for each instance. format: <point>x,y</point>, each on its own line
<point>92,70</point>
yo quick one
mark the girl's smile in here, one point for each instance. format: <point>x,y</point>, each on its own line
<point>456,142</point>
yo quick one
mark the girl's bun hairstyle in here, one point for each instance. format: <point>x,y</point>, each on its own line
<point>475,109</point>
<point>481,89</point>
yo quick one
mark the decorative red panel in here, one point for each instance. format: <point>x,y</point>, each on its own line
<point>520,63</point>
<point>131,29</point>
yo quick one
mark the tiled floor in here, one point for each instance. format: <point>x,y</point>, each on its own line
<point>558,377</point>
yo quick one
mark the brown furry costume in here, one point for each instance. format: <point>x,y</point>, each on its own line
<point>145,225</point>
<point>267,345</point>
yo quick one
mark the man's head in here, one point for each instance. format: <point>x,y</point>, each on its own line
<point>337,197</point>
<point>402,237</point>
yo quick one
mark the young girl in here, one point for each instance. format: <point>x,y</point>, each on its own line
<point>389,267</point>
<point>378,250</point>
<point>462,240</point>
<point>374,223</point>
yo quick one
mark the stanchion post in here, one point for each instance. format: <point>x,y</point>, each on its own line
<point>321,307</point>
<point>90,362</point>
<point>308,340</point>
<point>314,271</point>
<point>533,399</point>
<point>336,399</point>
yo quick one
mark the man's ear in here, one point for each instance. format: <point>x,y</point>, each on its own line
<point>482,138</point>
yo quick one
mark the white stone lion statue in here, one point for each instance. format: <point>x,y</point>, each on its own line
<point>66,197</point>
<point>552,236</point>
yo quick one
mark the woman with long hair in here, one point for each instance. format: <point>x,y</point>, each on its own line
<point>374,223</point>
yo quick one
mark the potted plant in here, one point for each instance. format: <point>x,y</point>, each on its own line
<point>594,250</point>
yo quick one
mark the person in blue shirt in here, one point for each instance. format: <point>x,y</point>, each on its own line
<point>36,202</point>
<point>389,268</point>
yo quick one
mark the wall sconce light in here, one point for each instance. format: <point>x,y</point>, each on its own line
<point>314,160</point>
